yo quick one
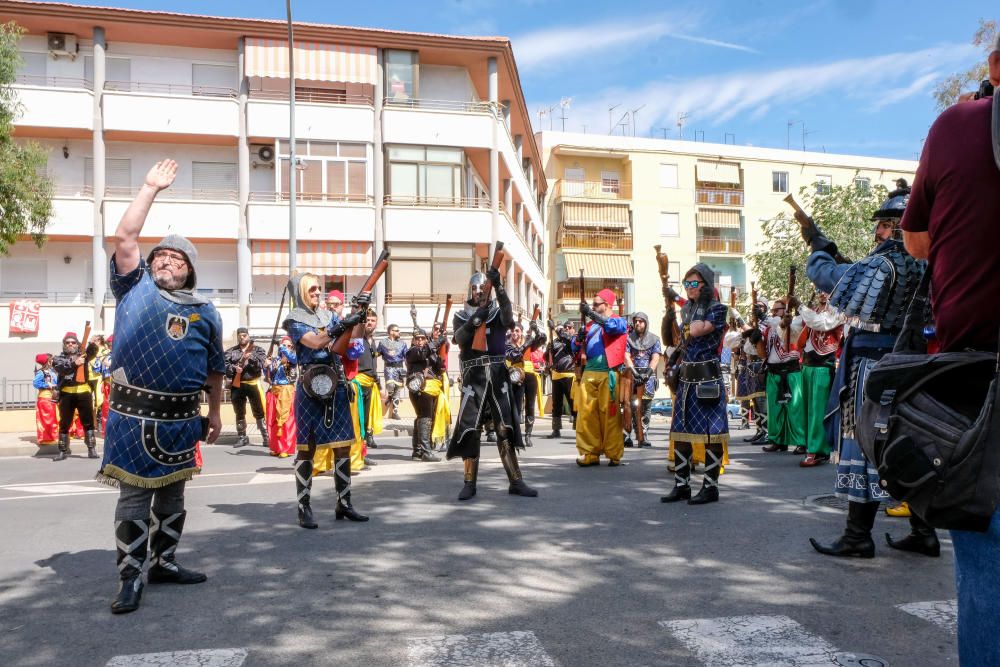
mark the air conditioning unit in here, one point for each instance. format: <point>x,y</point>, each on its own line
<point>63,44</point>
<point>262,156</point>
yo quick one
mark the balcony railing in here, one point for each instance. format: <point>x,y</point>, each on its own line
<point>314,95</point>
<point>69,190</point>
<point>415,298</point>
<point>53,81</point>
<point>721,246</point>
<point>443,105</point>
<point>595,240</point>
<point>570,289</point>
<point>69,298</point>
<point>198,194</point>
<point>436,202</point>
<point>718,197</point>
<point>311,197</point>
<point>606,189</point>
<point>170,89</point>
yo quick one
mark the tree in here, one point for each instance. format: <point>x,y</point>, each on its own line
<point>25,190</point>
<point>949,89</point>
<point>843,213</point>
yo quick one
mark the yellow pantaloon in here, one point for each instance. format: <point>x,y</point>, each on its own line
<point>598,422</point>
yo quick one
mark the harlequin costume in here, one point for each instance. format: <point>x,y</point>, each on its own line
<point>46,383</point>
<point>281,373</point>
<point>819,342</point>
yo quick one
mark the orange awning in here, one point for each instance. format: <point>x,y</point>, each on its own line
<point>313,61</point>
<point>324,258</point>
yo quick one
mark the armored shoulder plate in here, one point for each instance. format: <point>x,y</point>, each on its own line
<point>876,291</point>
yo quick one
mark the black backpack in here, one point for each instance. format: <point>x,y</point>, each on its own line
<point>930,423</point>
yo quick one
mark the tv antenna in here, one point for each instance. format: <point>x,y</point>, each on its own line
<point>564,104</point>
<point>681,117</point>
<point>635,113</point>
<point>611,126</point>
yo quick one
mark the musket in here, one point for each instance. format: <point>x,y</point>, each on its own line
<point>552,337</point>
<point>437,314</point>
<point>754,320</point>
<point>788,306</point>
<point>277,320</point>
<point>479,340</point>
<point>581,358</point>
<point>381,264</point>
<point>81,370</point>
<point>444,323</point>
<point>413,315</point>
<point>807,223</point>
<point>670,331</point>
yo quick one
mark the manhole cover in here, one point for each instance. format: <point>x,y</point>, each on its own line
<point>828,500</point>
<point>859,659</point>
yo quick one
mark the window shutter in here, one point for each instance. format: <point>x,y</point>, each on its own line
<point>213,180</point>
<point>213,80</point>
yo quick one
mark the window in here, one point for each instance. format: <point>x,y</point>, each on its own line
<point>573,185</point>
<point>213,180</point>
<point>213,80</point>
<point>668,175</point>
<point>670,224</point>
<point>824,184</point>
<point>779,181</point>
<point>32,68</point>
<point>401,75</point>
<point>332,171</point>
<point>430,269</point>
<point>863,183</point>
<point>117,175</point>
<point>23,277</point>
<point>425,175</point>
<point>675,272</point>
<point>117,73</point>
<point>609,182</point>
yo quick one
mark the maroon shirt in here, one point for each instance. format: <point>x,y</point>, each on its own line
<point>956,198</point>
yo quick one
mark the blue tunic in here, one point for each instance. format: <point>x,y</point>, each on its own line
<point>696,420</point>
<point>45,379</point>
<point>641,359</point>
<point>162,346</point>
<point>275,370</point>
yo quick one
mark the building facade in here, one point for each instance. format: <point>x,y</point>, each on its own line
<point>414,142</point>
<point>611,200</point>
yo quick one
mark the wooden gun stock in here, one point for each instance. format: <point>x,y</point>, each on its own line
<point>81,370</point>
<point>671,332</point>
<point>479,339</point>
<point>381,264</point>
<point>447,314</point>
<point>581,358</point>
<point>806,222</point>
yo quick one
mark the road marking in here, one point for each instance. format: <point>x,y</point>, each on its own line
<point>51,489</point>
<point>746,641</point>
<point>492,649</point>
<point>941,612</point>
<point>214,657</point>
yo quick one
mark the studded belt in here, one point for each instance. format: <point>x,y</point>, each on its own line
<point>484,360</point>
<point>700,371</point>
<point>157,405</point>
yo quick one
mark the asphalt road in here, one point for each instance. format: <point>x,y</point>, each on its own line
<point>595,571</point>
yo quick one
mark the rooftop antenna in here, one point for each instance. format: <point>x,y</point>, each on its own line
<point>635,113</point>
<point>564,104</point>
<point>699,132</point>
<point>664,131</point>
<point>806,134</point>
<point>788,133</point>
<point>611,126</point>
<point>623,123</point>
<point>681,117</point>
<point>551,109</point>
<point>725,138</point>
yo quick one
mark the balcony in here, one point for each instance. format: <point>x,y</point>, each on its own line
<point>437,219</point>
<point>569,290</point>
<point>587,240</point>
<point>211,214</point>
<point>320,115</point>
<point>72,211</point>
<point>401,298</point>
<point>318,216</point>
<point>438,123</point>
<point>592,190</point>
<point>135,106</point>
<point>720,246</point>
<point>55,102</point>
<point>718,197</point>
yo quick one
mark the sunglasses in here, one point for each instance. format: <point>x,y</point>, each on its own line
<point>691,284</point>
<point>595,304</point>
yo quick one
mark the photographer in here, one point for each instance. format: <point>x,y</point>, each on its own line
<point>953,211</point>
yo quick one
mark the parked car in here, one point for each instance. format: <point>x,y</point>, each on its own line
<point>734,410</point>
<point>661,406</point>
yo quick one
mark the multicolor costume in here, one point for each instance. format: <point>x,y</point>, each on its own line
<point>423,361</point>
<point>46,382</point>
<point>642,349</point>
<point>819,342</point>
<point>280,373</point>
<point>393,353</point>
<point>527,393</point>
<point>785,410</point>
<point>367,405</point>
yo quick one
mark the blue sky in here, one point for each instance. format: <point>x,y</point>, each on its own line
<point>857,74</point>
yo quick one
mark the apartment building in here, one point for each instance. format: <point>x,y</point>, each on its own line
<point>418,143</point>
<point>612,199</point>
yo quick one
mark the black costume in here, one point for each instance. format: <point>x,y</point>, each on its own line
<point>252,361</point>
<point>562,364</point>
<point>526,391</point>
<point>75,397</point>
<point>486,388</point>
<point>424,366</point>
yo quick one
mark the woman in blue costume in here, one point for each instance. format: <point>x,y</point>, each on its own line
<point>321,423</point>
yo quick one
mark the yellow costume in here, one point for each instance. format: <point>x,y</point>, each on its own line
<point>442,411</point>
<point>598,422</point>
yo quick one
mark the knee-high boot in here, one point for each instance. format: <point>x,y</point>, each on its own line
<point>857,537</point>
<point>682,474</point>
<point>63,447</point>
<point>922,539</point>
<point>342,481</point>
<point>471,474</point>
<point>303,491</point>
<point>241,433</point>
<point>509,459</point>
<point>425,427</point>
<point>90,439</point>
<point>164,535</point>
<point>529,424</point>
<point>262,427</point>
<point>131,539</point>
<point>710,485</point>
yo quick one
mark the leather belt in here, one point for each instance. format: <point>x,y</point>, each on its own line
<point>785,367</point>
<point>485,360</point>
<point>150,404</point>
<point>700,371</point>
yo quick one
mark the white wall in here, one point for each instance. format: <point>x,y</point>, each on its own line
<point>439,82</point>
<point>438,225</point>
<point>268,119</point>
<point>318,222</point>
<point>436,128</point>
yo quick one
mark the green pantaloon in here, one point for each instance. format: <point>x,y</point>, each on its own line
<point>785,423</point>
<point>816,382</point>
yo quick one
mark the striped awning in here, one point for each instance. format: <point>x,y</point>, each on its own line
<point>608,216</point>
<point>324,258</point>
<point>598,265</point>
<point>717,217</point>
<point>718,172</point>
<point>313,61</point>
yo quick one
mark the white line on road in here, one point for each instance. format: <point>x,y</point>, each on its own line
<point>215,657</point>
<point>941,612</point>
<point>747,641</point>
<point>492,649</point>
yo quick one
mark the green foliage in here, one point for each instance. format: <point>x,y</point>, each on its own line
<point>949,89</point>
<point>25,190</point>
<point>843,215</point>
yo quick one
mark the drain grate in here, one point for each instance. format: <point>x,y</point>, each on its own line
<point>827,500</point>
<point>859,660</point>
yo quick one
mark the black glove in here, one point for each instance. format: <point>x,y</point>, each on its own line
<point>585,309</point>
<point>551,325</point>
<point>91,351</point>
<point>814,238</point>
<point>349,322</point>
<point>362,299</point>
<point>480,315</point>
<point>494,277</point>
<point>670,293</point>
<point>755,336</point>
<point>793,305</point>
<point>533,326</point>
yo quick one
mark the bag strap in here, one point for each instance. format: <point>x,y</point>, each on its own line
<point>911,339</point>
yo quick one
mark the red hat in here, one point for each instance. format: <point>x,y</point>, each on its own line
<point>110,339</point>
<point>608,296</point>
<point>43,358</point>
<point>71,334</point>
<point>335,293</point>
<point>284,338</point>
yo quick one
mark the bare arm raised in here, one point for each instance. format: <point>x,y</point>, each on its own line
<point>159,177</point>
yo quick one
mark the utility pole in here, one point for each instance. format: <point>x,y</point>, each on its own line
<point>293,170</point>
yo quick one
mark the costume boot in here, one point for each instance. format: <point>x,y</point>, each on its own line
<point>682,475</point>
<point>471,474</point>
<point>491,435</point>
<point>509,459</point>
<point>556,427</point>
<point>63,447</point>
<point>921,540</point>
<point>164,534</point>
<point>131,538</point>
<point>425,426</point>
<point>262,427</point>
<point>342,481</point>
<point>857,537</point>
<point>529,424</point>
<point>370,441</point>
<point>90,439</point>
<point>415,440</point>
<point>303,491</point>
<point>710,485</point>
<point>241,433</point>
